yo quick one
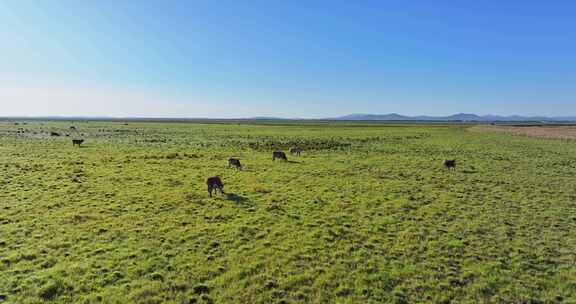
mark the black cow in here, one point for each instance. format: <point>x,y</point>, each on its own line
<point>295,151</point>
<point>450,164</point>
<point>214,184</point>
<point>279,154</point>
<point>54,134</point>
<point>235,162</point>
<point>77,142</point>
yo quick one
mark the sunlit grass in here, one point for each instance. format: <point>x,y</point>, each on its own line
<point>366,214</point>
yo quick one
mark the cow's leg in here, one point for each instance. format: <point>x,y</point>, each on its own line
<point>210,191</point>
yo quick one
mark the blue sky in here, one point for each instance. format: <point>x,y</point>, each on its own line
<point>287,58</point>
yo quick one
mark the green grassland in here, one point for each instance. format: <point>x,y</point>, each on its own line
<point>367,214</point>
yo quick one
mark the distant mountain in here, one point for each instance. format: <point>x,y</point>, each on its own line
<point>392,116</point>
<point>460,117</point>
<point>268,118</point>
<point>455,117</point>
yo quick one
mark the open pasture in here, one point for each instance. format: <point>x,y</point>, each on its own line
<point>564,132</point>
<point>367,214</point>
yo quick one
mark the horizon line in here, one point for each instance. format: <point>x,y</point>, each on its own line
<point>264,117</point>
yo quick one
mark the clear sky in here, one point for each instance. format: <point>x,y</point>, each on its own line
<point>231,58</point>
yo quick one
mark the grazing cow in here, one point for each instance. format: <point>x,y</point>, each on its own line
<point>279,154</point>
<point>450,164</point>
<point>77,142</point>
<point>235,162</point>
<point>54,134</point>
<point>214,184</point>
<point>295,151</point>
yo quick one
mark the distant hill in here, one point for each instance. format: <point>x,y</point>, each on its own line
<point>460,117</point>
<point>268,118</point>
<point>455,117</point>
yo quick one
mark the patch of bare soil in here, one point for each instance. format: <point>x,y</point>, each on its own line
<point>562,132</point>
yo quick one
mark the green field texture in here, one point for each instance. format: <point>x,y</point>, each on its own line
<point>367,214</point>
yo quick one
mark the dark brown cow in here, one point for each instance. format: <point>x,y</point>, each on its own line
<point>295,151</point>
<point>214,184</point>
<point>77,142</point>
<point>450,164</point>
<point>279,154</point>
<point>235,162</point>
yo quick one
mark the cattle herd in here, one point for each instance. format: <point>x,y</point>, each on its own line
<point>215,183</point>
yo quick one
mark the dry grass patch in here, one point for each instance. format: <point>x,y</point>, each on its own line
<point>562,132</point>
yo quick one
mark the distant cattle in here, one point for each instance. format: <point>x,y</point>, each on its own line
<point>73,128</point>
<point>214,184</point>
<point>295,151</point>
<point>450,164</point>
<point>279,154</point>
<point>54,134</point>
<point>235,162</point>
<point>77,142</point>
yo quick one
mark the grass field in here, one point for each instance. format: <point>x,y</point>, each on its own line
<point>566,132</point>
<point>367,214</point>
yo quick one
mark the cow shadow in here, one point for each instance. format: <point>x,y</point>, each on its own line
<point>238,199</point>
<point>293,162</point>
